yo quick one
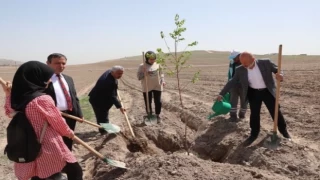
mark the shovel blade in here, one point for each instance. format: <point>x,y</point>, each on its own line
<point>272,142</point>
<point>150,119</point>
<point>116,163</point>
<point>110,128</point>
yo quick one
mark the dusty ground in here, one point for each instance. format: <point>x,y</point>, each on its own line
<point>215,146</point>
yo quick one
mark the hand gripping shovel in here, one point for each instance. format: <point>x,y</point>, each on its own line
<point>109,161</point>
<point>273,144</point>
<point>149,118</point>
<point>110,128</point>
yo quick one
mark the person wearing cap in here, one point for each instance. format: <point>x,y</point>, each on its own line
<point>155,82</point>
<point>236,92</point>
<point>255,76</point>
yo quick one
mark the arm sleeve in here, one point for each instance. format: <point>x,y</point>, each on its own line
<point>53,116</point>
<point>79,114</point>
<point>7,106</point>
<point>231,83</point>
<point>161,74</point>
<point>140,74</point>
<point>274,67</point>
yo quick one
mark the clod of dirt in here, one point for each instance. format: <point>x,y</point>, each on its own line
<point>136,145</point>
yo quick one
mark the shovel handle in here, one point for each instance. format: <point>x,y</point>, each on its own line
<point>146,84</point>
<point>126,116</point>
<point>2,81</point>
<point>78,140</point>
<point>276,111</point>
<point>80,120</point>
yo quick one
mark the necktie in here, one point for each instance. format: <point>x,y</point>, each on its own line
<point>65,92</point>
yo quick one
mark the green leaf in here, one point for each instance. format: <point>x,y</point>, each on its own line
<point>162,35</point>
<point>176,18</point>
<point>195,77</point>
<point>193,43</point>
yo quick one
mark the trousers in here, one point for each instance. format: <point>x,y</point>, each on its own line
<point>73,171</point>
<point>256,97</point>
<point>235,95</point>
<point>157,101</point>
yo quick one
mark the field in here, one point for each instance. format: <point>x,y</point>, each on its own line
<point>215,146</point>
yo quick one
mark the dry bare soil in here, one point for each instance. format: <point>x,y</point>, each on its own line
<point>216,150</point>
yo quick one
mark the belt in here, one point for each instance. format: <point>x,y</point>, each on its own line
<point>65,111</point>
<point>260,89</point>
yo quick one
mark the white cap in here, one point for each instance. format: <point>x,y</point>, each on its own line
<point>234,54</point>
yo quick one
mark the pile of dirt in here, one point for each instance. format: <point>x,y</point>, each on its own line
<point>184,167</point>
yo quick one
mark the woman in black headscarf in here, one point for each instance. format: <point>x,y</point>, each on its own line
<point>27,94</point>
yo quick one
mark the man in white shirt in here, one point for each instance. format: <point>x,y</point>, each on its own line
<point>63,92</point>
<point>255,76</point>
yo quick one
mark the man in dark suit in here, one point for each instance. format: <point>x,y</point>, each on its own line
<point>63,92</point>
<point>255,76</point>
<point>104,95</point>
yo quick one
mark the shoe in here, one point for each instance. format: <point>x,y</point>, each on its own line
<point>102,131</point>
<point>233,118</point>
<point>249,140</point>
<point>242,116</point>
<point>57,176</point>
<point>286,135</point>
<point>158,119</point>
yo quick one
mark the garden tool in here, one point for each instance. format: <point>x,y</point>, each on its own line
<point>110,128</point>
<point>107,160</point>
<point>273,144</point>
<point>125,114</point>
<point>221,107</point>
<point>149,118</point>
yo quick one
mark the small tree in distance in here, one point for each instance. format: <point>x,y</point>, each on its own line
<point>173,62</point>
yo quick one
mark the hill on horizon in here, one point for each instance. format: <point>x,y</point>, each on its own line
<point>9,62</point>
<point>196,55</point>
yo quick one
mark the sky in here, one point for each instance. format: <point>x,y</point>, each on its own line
<point>88,31</point>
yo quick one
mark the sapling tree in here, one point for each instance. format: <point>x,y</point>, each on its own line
<point>174,62</point>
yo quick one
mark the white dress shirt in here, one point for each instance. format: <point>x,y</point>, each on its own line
<point>60,97</point>
<point>255,77</point>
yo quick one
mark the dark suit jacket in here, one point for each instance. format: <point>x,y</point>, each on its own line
<point>104,93</point>
<point>76,109</point>
<point>241,75</point>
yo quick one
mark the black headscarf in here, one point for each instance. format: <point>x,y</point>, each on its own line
<point>28,83</point>
<point>148,55</point>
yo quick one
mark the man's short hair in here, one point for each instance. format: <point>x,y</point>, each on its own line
<point>116,68</point>
<point>55,55</point>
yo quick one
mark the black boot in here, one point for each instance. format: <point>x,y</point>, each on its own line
<point>233,117</point>
<point>250,140</point>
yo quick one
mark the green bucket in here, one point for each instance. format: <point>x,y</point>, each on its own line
<point>221,107</point>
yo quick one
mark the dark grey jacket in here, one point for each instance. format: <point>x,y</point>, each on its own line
<point>241,75</point>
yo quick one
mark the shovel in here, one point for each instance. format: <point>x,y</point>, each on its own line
<point>109,161</point>
<point>149,118</point>
<point>138,144</point>
<point>110,128</point>
<point>273,144</point>
<point>126,116</point>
